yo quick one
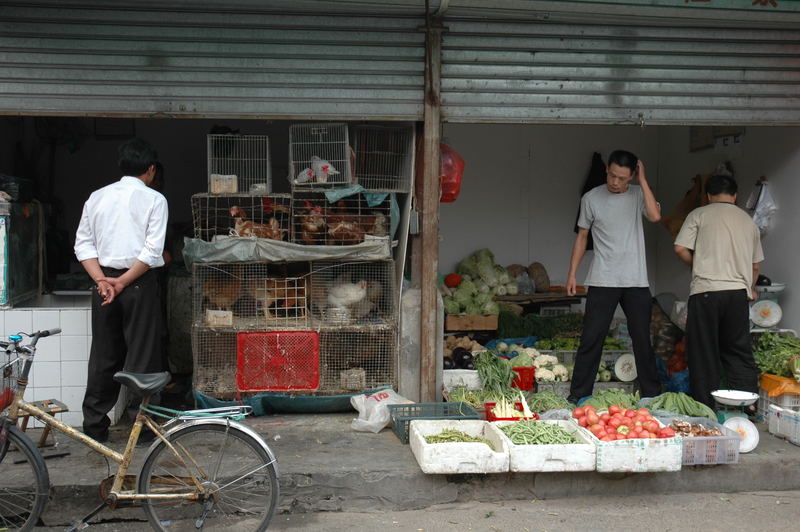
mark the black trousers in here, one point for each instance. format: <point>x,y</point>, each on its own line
<point>601,302</point>
<point>718,338</point>
<point>125,335</point>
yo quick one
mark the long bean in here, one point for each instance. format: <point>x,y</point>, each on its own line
<point>537,433</point>
<point>455,436</point>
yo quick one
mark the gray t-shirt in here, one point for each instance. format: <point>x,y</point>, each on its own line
<point>616,224</point>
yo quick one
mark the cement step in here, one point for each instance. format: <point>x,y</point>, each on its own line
<point>326,466</point>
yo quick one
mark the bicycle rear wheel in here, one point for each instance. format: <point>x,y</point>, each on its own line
<point>24,482</point>
<point>234,469</point>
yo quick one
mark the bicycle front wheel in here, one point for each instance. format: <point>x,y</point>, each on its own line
<point>238,477</point>
<point>24,482</point>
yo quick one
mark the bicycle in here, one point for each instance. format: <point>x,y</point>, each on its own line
<point>203,469</point>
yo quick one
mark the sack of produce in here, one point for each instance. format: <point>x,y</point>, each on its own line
<point>538,274</point>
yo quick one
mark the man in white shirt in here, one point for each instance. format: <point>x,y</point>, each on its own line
<point>119,241</point>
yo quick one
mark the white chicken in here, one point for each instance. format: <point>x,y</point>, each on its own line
<point>322,169</point>
<point>367,305</point>
<point>346,295</point>
<point>304,176</point>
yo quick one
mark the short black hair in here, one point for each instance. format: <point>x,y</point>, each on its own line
<point>136,156</point>
<point>721,184</point>
<point>624,159</point>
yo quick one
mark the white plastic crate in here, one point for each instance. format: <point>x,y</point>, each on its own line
<point>784,400</point>
<point>563,457</point>
<point>638,455</point>
<point>708,450</point>
<point>784,423</point>
<point>459,457</point>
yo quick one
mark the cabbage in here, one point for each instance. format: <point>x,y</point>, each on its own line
<point>472,308</point>
<point>501,290</point>
<point>490,309</point>
<point>522,360</point>
<point>484,255</point>
<point>483,288</point>
<point>468,266</point>
<point>482,298</point>
<point>462,296</point>
<point>451,306</point>
<point>512,289</point>
<point>468,286</point>
<point>502,274</point>
<point>487,273</point>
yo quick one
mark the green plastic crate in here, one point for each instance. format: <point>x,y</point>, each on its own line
<point>403,414</point>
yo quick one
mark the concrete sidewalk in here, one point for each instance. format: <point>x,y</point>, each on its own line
<point>326,466</point>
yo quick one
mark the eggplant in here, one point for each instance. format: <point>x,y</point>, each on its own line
<point>763,280</point>
<point>463,358</point>
<point>469,365</point>
<point>449,363</point>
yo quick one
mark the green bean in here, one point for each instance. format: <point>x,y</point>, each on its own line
<point>547,400</point>
<point>455,436</point>
<point>533,432</point>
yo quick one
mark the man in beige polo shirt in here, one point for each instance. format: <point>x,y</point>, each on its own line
<point>722,245</point>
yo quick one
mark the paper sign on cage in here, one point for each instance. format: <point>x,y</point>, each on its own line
<point>277,361</point>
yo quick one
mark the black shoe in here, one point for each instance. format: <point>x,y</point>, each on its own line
<point>146,437</point>
<point>572,400</point>
<point>100,436</point>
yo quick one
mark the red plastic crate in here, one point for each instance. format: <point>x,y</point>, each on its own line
<point>525,377</point>
<point>277,361</point>
<point>491,417</point>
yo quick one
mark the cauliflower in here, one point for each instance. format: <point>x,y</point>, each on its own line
<point>545,361</point>
<point>545,375</point>
<point>561,373</point>
<point>533,352</point>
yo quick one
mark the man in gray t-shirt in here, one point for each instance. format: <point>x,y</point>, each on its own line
<point>618,273</point>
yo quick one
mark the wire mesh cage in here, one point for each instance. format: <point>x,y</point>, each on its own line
<point>277,361</point>
<point>319,155</point>
<point>348,221</point>
<point>10,368</point>
<point>250,296</point>
<point>214,370</point>
<point>241,215</point>
<point>239,164</point>
<point>384,157</point>
<point>352,293</point>
<point>357,360</point>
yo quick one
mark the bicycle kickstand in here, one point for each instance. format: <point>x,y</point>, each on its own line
<point>84,523</point>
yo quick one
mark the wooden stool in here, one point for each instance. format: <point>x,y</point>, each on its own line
<point>52,407</point>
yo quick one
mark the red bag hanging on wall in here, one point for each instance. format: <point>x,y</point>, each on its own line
<point>452,170</point>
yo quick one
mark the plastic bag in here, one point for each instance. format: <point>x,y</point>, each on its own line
<point>679,313</point>
<point>373,411</point>
<point>562,415</point>
<point>762,206</point>
<point>452,170</point>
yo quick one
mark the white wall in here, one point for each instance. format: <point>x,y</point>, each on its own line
<point>522,188</point>
<point>522,184</point>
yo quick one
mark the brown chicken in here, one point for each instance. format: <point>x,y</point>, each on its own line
<point>344,227</point>
<point>244,227</point>
<point>279,297</point>
<point>221,294</point>
<point>312,225</point>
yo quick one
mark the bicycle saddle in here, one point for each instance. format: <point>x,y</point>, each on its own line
<point>145,384</point>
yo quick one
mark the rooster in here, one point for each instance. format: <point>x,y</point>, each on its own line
<point>244,227</point>
<point>274,295</point>
<point>271,207</point>
<point>222,293</point>
<point>312,224</point>
<point>346,295</point>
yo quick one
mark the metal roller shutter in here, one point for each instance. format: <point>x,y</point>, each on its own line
<point>508,71</point>
<point>186,60</point>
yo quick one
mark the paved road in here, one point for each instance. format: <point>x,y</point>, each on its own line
<point>709,512</point>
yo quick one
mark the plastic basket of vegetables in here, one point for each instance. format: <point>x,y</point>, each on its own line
<point>504,411</point>
<point>544,446</point>
<point>525,378</point>
<point>402,415</point>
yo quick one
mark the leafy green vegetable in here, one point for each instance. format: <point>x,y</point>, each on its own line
<point>680,403</point>
<point>602,399</point>
<point>495,373</point>
<point>774,351</point>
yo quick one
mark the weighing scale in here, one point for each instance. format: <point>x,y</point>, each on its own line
<point>731,414</point>
<point>766,312</point>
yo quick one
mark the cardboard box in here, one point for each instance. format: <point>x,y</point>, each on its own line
<point>470,322</point>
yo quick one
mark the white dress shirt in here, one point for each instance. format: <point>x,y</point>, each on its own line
<point>122,222</point>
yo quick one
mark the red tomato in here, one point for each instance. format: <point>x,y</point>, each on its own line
<point>631,436</point>
<point>640,419</point>
<point>643,412</point>
<point>630,414</point>
<point>589,408</point>
<point>627,422</point>
<point>615,422</point>
<point>668,432</point>
<point>605,417</point>
<point>607,438</point>
<point>596,428</point>
<point>611,430</point>
<point>614,409</point>
<point>592,418</point>
<point>578,413</point>
<point>452,280</point>
<point>582,421</point>
<point>651,426</point>
<point>620,436</point>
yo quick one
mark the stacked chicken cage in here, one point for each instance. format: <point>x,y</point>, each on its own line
<point>343,180</point>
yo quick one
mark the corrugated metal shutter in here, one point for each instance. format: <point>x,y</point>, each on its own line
<point>552,72</point>
<point>80,58</point>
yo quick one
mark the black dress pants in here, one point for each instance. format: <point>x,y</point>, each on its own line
<point>601,302</point>
<point>718,338</point>
<point>125,335</point>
